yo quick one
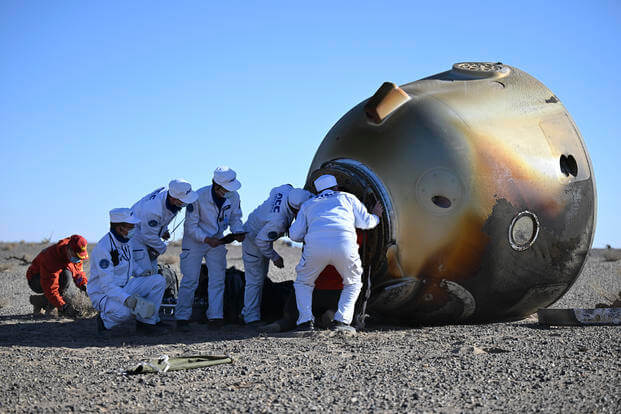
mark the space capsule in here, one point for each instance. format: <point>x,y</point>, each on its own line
<point>488,192</point>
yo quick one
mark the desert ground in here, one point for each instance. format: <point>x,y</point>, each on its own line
<point>55,364</point>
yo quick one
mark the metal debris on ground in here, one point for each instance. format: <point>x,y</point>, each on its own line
<point>578,317</point>
<point>164,363</point>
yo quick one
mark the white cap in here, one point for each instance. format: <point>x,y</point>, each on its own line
<point>324,181</point>
<point>226,177</point>
<point>123,215</point>
<point>182,190</point>
<point>297,197</point>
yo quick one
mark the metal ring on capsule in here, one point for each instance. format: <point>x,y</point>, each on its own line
<point>523,230</point>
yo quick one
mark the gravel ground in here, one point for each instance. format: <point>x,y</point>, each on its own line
<point>59,365</point>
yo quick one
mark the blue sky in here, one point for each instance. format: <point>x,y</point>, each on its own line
<point>102,102</point>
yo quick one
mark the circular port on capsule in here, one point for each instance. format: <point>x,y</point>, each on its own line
<point>441,201</point>
<point>439,191</point>
<point>523,230</point>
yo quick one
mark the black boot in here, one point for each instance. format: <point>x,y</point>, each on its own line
<point>308,326</point>
<point>149,330</point>
<point>339,326</point>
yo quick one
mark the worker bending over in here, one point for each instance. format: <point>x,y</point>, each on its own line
<point>327,224</point>
<point>155,211</point>
<point>266,224</point>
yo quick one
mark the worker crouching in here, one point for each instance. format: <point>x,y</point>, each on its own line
<point>52,271</point>
<point>114,289</point>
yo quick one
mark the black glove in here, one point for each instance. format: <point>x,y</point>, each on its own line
<point>83,288</point>
<point>228,238</point>
<point>69,311</point>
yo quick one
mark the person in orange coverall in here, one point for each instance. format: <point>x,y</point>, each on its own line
<point>51,271</point>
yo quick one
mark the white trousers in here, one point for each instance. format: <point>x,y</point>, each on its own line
<point>191,259</point>
<point>256,267</point>
<point>342,253</point>
<point>140,254</point>
<point>150,288</point>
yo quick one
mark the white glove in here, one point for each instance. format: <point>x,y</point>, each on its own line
<point>130,302</point>
<point>140,307</point>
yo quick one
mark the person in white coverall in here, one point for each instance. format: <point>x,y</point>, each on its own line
<point>327,224</point>
<point>216,209</point>
<point>114,288</point>
<point>265,224</point>
<point>155,211</point>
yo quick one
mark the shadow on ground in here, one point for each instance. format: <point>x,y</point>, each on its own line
<point>26,330</point>
<point>41,332</point>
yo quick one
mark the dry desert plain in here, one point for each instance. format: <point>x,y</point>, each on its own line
<point>60,365</point>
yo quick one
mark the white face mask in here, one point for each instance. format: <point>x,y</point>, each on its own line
<point>131,233</point>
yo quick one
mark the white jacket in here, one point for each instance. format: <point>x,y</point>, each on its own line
<point>154,218</point>
<point>203,218</point>
<point>331,214</point>
<point>270,221</point>
<point>107,278</point>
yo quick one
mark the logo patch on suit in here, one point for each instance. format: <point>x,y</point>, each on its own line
<point>277,202</point>
<point>190,207</point>
<point>272,235</point>
<point>152,223</point>
<point>104,263</point>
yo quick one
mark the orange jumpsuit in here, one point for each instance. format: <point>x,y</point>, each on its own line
<point>49,264</point>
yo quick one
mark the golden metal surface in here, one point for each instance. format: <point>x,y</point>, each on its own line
<point>464,142</point>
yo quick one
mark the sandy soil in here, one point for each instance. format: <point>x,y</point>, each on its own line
<point>60,365</point>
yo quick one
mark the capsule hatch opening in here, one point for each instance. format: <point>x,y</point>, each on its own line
<point>356,178</point>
